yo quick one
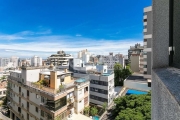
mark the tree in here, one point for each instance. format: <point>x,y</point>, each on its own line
<point>137,107</point>
<point>120,74</point>
<point>94,111</point>
<point>117,71</point>
<point>86,110</point>
<point>105,106</point>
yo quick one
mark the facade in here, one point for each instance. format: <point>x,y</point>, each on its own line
<point>14,60</point>
<point>4,62</point>
<point>137,62</point>
<point>25,62</point>
<point>3,85</point>
<point>36,61</point>
<point>147,41</point>
<point>165,60</point>
<point>60,59</point>
<point>101,83</point>
<point>38,93</point>
<point>137,49</point>
<point>111,60</point>
<point>102,88</point>
<point>84,55</point>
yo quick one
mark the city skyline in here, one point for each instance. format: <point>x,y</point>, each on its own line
<point>99,26</point>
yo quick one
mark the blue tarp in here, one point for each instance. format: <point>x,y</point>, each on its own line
<point>136,92</point>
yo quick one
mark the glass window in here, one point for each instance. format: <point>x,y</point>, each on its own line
<point>174,35</point>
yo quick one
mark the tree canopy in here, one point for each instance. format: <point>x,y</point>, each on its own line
<point>133,107</point>
<point>120,74</point>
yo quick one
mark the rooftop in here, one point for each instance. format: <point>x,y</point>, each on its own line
<point>136,77</point>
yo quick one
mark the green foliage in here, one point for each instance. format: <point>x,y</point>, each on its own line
<point>105,106</point>
<point>133,107</point>
<point>94,111</point>
<point>86,111</point>
<point>120,74</point>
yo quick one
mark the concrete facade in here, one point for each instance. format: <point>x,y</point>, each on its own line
<point>60,95</point>
<point>36,61</point>
<point>147,18</point>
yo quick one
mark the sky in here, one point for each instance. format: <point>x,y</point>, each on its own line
<point>43,27</point>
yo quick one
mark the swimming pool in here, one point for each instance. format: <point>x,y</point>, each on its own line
<point>95,118</point>
<point>136,92</point>
<point>80,80</point>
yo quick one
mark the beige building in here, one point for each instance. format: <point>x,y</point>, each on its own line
<point>37,93</point>
<point>137,62</point>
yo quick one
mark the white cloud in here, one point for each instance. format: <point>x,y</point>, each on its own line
<point>44,46</point>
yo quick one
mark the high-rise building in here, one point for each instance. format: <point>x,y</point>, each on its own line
<point>14,60</point>
<point>137,62</point>
<point>38,93</point>
<point>61,59</point>
<point>4,62</point>
<point>111,60</point>
<point>137,49</point>
<point>147,41</point>
<point>84,55</point>
<point>36,61</point>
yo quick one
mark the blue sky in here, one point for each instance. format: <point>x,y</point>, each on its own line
<point>42,27</point>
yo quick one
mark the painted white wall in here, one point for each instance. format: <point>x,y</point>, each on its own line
<point>32,75</point>
<point>102,68</point>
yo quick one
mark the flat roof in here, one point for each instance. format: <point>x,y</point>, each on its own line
<point>136,77</point>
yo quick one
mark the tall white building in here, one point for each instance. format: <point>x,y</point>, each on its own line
<point>4,62</point>
<point>84,55</point>
<point>36,61</point>
<point>59,97</point>
<point>101,83</point>
<point>111,60</point>
<point>14,60</point>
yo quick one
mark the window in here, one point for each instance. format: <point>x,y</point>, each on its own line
<point>174,41</point>
<point>4,92</point>
<point>19,109</point>
<point>42,113</point>
<point>37,96</point>
<point>145,40</point>
<point>36,109</point>
<point>145,20</point>
<point>0,92</point>
<point>27,116</point>
<point>28,93</point>
<point>42,99</point>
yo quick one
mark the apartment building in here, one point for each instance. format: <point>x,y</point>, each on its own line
<point>102,88</point>
<point>41,93</point>
<point>111,60</point>
<point>165,60</point>
<point>137,48</point>
<point>25,62</point>
<point>137,62</point>
<point>84,55</point>
<point>101,83</point>
<point>61,59</point>
<point>4,62</point>
<point>147,22</point>
<point>36,61</point>
<point>14,60</point>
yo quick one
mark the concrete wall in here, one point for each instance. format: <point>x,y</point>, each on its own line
<point>136,85</point>
<point>135,63</point>
<point>165,91</point>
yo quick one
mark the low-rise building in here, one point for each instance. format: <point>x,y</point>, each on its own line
<point>38,93</point>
